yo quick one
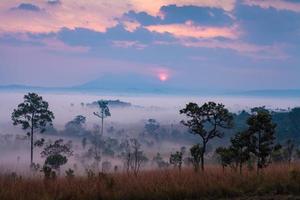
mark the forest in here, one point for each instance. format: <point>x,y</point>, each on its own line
<point>210,153</point>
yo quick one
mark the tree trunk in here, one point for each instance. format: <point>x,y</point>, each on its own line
<point>258,158</point>
<point>31,143</point>
<point>241,166</point>
<point>31,148</point>
<point>102,121</point>
<point>202,155</point>
<point>102,126</point>
<point>202,162</point>
<point>196,167</point>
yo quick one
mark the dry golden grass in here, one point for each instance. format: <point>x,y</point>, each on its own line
<point>159,184</point>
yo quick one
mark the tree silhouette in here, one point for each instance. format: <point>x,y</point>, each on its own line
<point>196,152</point>
<point>207,121</point>
<point>32,114</point>
<point>241,148</point>
<point>104,112</point>
<point>176,159</point>
<point>225,156</point>
<point>133,156</point>
<point>277,154</point>
<point>158,159</point>
<point>76,126</point>
<point>138,156</point>
<point>56,154</point>
<point>151,127</point>
<point>262,131</point>
<point>288,150</point>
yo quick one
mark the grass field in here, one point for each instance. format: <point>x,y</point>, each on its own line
<point>276,182</point>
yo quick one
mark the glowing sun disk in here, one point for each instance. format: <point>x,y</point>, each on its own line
<point>163,76</point>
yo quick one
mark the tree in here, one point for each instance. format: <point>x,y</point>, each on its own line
<point>151,127</point>
<point>294,117</point>
<point>158,159</point>
<point>76,126</point>
<point>277,154</point>
<point>262,131</point>
<point>176,159</point>
<point>70,174</point>
<point>138,156</point>
<point>207,121</point>
<point>196,152</point>
<point>126,154</point>
<point>133,156</point>
<point>241,148</point>
<point>104,112</point>
<point>94,151</point>
<point>56,154</point>
<point>84,142</point>
<point>32,114</point>
<point>106,166</point>
<point>297,153</point>
<point>288,150</point>
<point>225,156</point>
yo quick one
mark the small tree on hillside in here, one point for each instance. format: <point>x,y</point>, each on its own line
<point>32,114</point>
<point>262,131</point>
<point>207,121</point>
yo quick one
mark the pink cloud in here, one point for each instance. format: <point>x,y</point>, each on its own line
<point>277,4</point>
<point>274,52</point>
<point>153,7</point>
<point>95,15</point>
<point>128,44</point>
<point>53,44</point>
<point>130,25</point>
<point>189,29</point>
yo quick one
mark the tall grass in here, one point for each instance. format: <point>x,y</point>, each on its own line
<point>157,184</point>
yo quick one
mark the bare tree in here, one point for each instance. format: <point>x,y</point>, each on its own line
<point>138,156</point>
<point>133,156</point>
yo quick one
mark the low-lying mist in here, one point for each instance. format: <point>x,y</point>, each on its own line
<point>126,122</point>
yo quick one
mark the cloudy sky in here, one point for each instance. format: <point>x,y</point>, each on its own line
<point>201,44</point>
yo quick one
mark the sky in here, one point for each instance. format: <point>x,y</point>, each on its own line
<point>198,44</point>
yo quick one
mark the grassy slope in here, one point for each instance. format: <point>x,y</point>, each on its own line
<point>167,184</point>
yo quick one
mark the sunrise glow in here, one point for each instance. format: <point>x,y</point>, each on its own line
<point>163,76</point>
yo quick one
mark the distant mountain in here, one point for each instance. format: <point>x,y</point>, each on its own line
<point>16,87</point>
<point>131,84</point>
<point>269,93</point>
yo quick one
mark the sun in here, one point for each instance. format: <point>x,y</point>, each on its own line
<point>163,76</point>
